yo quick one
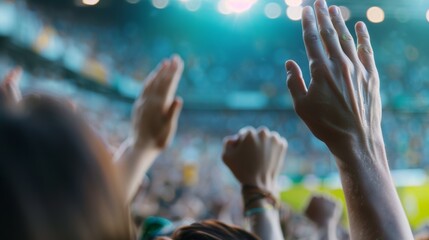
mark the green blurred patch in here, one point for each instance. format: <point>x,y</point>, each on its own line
<point>415,200</point>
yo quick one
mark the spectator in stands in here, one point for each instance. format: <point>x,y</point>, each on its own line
<point>54,183</point>
<point>342,107</point>
<point>325,213</point>
<point>54,165</point>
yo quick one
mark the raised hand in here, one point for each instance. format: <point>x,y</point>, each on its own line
<point>255,157</point>
<point>10,94</point>
<point>342,103</point>
<point>342,107</point>
<point>154,122</point>
<point>157,110</point>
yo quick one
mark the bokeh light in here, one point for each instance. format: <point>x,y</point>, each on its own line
<point>235,6</point>
<point>375,14</point>
<point>193,5</point>
<point>411,53</point>
<point>294,13</point>
<point>273,10</point>
<point>427,15</point>
<point>90,2</point>
<point>293,3</point>
<point>345,12</point>
<point>160,4</point>
<point>223,8</point>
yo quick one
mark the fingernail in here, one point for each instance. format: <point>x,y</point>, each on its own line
<point>336,11</point>
<point>324,4</point>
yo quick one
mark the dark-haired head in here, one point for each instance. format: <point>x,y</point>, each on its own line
<point>55,183</point>
<point>211,230</point>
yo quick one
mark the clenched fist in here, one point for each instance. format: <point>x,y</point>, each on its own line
<point>255,157</point>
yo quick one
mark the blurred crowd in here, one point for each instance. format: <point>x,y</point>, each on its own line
<point>184,184</point>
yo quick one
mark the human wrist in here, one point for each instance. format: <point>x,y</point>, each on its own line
<point>254,196</point>
<point>139,147</point>
<point>357,150</point>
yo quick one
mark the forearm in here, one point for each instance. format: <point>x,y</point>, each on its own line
<point>265,224</point>
<point>132,164</point>
<point>374,208</point>
<point>328,232</point>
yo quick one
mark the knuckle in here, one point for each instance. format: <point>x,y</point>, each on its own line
<point>317,68</point>
<point>365,49</point>
<point>364,36</point>
<point>327,32</point>
<point>310,36</point>
<point>346,37</point>
<point>345,67</point>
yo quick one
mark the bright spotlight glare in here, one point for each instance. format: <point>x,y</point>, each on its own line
<point>160,4</point>
<point>294,13</point>
<point>293,3</point>
<point>427,15</point>
<point>235,6</point>
<point>193,5</point>
<point>375,14</point>
<point>345,12</point>
<point>90,2</point>
<point>273,10</point>
<point>223,8</point>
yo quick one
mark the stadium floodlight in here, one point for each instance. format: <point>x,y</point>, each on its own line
<point>90,2</point>
<point>235,6</point>
<point>293,3</point>
<point>160,4</point>
<point>294,13</point>
<point>273,10</point>
<point>375,14</point>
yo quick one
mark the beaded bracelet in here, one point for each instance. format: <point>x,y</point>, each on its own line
<point>258,210</point>
<point>258,195</point>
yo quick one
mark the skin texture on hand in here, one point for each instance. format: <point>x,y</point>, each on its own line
<point>256,157</point>
<point>342,107</point>
<point>154,123</point>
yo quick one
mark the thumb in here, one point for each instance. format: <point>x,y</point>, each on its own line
<point>175,109</point>
<point>230,143</point>
<point>295,82</point>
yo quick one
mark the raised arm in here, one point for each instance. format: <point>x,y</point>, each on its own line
<point>255,157</point>
<point>154,120</point>
<point>342,107</point>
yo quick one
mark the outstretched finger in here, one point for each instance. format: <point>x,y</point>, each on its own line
<point>313,44</point>
<point>345,38</point>
<point>172,81</point>
<point>327,30</point>
<point>154,77</point>
<point>364,48</point>
<point>295,81</point>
